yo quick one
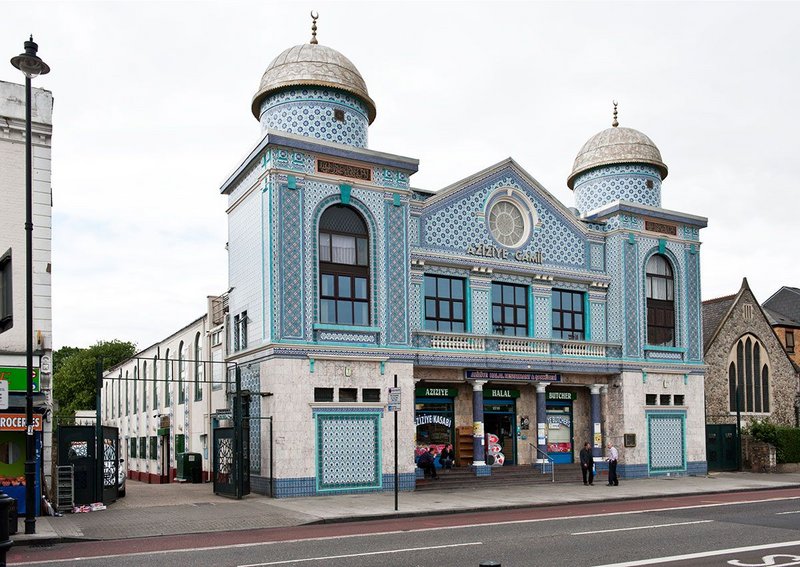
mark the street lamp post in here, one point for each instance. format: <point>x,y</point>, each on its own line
<point>31,66</point>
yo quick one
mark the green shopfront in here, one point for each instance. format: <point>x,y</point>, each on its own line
<point>500,424</point>
<point>434,417</point>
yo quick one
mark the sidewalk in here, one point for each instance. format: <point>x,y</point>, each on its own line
<point>172,509</point>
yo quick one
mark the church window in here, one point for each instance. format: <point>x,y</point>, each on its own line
<point>748,376</point>
<point>344,267</point>
<point>660,302</point>
<point>568,315</point>
<point>509,309</point>
<point>444,304</point>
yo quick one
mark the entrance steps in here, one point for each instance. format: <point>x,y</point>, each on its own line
<point>511,475</point>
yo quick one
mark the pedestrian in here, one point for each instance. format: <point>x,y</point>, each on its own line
<point>427,464</point>
<point>612,456</point>
<point>447,457</point>
<point>587,465</point>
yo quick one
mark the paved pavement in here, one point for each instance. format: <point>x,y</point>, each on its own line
<point>173,509</point>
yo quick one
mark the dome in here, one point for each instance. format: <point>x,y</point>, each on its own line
<point>616,145</point>
<point>312,64</point>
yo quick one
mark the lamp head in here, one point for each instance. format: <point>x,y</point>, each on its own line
<point>29,63</point>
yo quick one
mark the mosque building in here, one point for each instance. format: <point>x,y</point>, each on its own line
<point>498,311</point>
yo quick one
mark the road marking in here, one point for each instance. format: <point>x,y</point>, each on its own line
<point>642,527</point>
<point>792,512</point>
<point>365,554</point>
<point>700,555</point>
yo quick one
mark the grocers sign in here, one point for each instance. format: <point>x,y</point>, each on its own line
<point>16,378</point>
<point>16,422</point>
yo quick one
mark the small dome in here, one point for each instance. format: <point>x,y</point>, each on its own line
<point>616,145</point>
<point>312,65</point>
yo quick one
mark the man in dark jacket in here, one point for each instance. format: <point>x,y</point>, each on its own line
<point>587,464</point>
<point>426,462</point>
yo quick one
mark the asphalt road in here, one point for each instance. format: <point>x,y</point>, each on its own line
<point>723,529</point>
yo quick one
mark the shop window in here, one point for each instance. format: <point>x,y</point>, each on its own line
<point>344,267</point>
<point>371,394</point>
<point>790,341</point>
<point>323,394</point>
<point>348,394</point>
<point>665,399</point>
<point>10,452</point>
<point>650,399</point>
<point>510,309</point>
<point>6,296</point>
<point>678,399</point>
<point>660,302</point>
<point>748,376</point>
<point>444,304</point>
<point>568,315</point>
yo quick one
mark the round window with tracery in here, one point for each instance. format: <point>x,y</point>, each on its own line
<point>507,223</point>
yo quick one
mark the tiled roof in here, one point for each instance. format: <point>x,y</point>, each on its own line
<point>784,306</point>
<point>714,311</point>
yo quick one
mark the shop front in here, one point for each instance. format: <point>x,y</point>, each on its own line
<point>13,456</point>
<point>434,418</point>
<point>500,424</point>
<point>560,434</point>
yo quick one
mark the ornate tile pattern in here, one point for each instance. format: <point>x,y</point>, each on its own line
<point>251,380</point>
<point>597,312</point>
<point>604,185</point>
<point>693,303</point>
<point>415,306</point>
<point>338,337</point>
<point>632,305</point>
<point>453,223</point>
<point>597,256</point>
<point>481,316</point>
<point>310,112</point>
<point>291,263</point>
<point>293,161</point>
<point>397,270</point>
<point>666,442</point>
<point>542,320</point>
<point>348,450</point>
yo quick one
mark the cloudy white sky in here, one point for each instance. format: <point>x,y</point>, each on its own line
<point>152,112</point>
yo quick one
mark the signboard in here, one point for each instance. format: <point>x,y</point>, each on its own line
<point>436,392</point>
<point>562,396</point>
<point>394,399</point>
<point>3,395</point>
<point>500,393</point>
<point>512,376</point>
<point>16,422</point>
<point>16,378</point>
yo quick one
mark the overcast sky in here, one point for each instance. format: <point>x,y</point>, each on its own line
<point>152,113</point>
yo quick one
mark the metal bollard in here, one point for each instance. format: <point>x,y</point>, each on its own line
<point>5,541</point>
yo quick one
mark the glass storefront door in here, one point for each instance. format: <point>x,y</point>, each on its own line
<point>499,417</point>
<point>433,418</point>
<point>559,431</point>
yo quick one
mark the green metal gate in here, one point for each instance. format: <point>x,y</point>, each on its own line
<point>721,447</point>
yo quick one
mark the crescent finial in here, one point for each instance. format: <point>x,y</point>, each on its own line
<point>314,16</point>
<point>615,123</point>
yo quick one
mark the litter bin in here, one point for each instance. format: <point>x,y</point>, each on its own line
<point>13,517</point>
<point>190,467</point>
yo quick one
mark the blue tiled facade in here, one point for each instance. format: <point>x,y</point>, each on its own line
<point>307,163</point>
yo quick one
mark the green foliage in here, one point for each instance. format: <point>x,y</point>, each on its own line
<point>788,444</point>
<point>785,439</point>
<point>74,373</point>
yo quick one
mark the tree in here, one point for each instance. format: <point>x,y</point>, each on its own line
<point>74,373</point>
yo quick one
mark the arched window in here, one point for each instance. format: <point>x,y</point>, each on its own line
<point>198,368</point>
<point>144,386</point>
<point>660,302</point>
<point>181,373</point>
<point>343,267</point>
<point>167,381</point>
<point>135,389</point>
<point>748,376</point>
<point>155,382</point>
<point>119,394</point>
<point>113,401</point>
<point>127,395</point>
